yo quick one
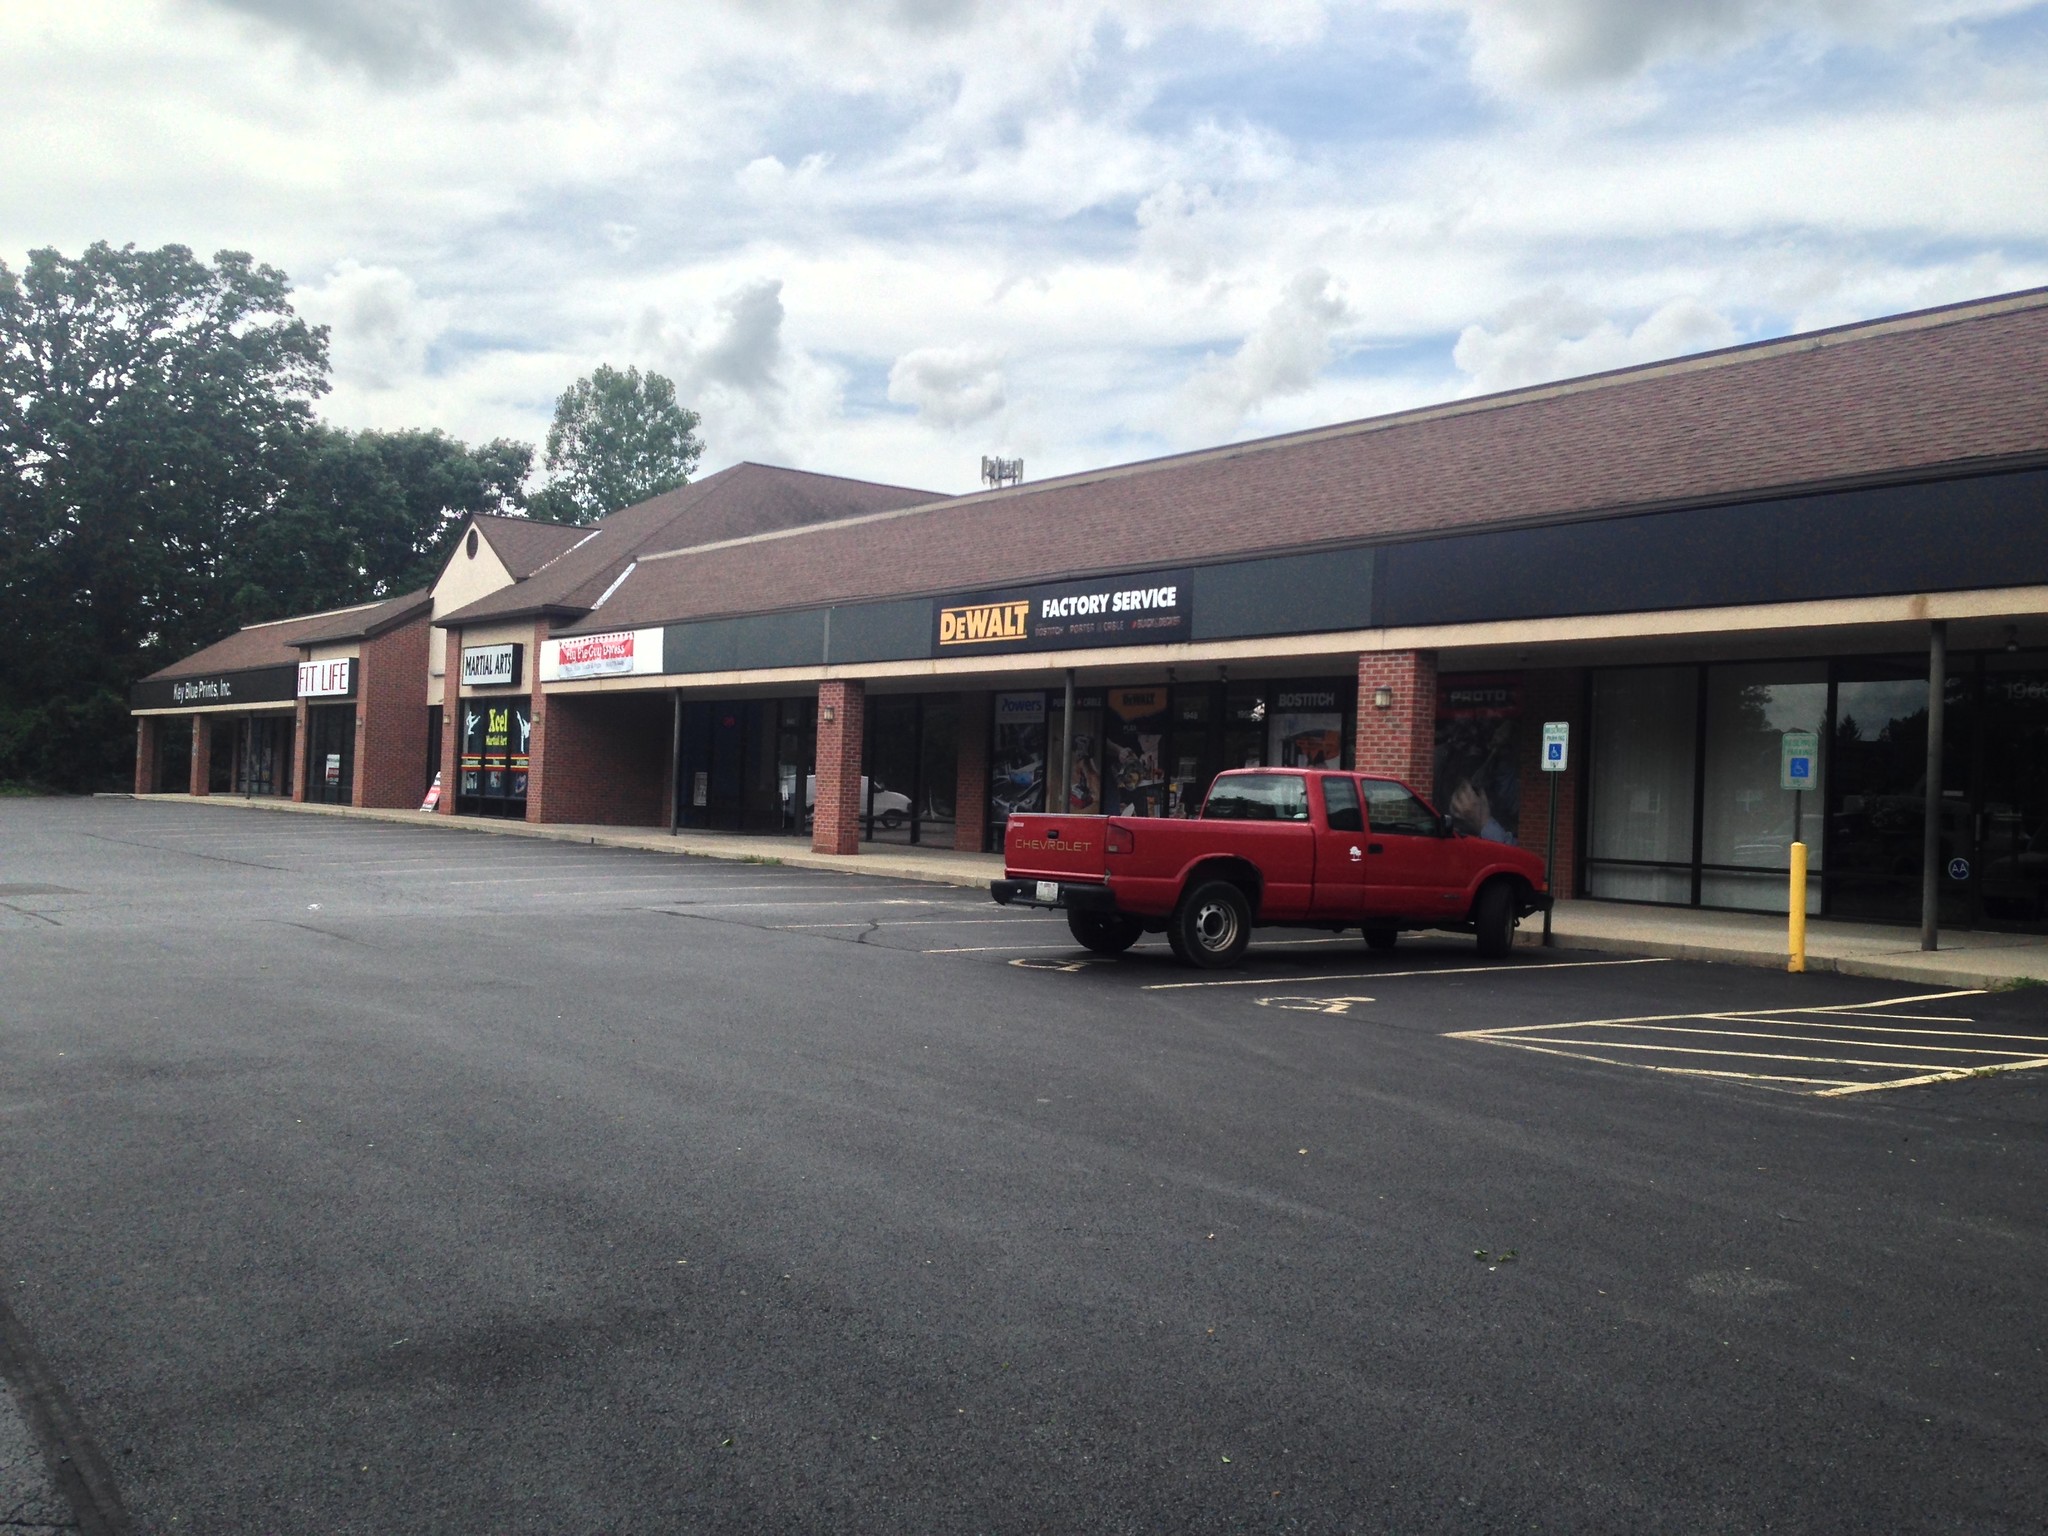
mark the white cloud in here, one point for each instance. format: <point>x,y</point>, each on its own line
<point>404,42</point>
<point>381,329</point>
<point>1283,355</point>
<point>949,386</point>
<point>1550,336</point>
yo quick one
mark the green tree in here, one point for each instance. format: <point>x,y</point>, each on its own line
<point>151,406</point>
<point>163,480</point>
<point>617,439</point>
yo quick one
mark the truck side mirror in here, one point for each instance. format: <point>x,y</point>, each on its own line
<point>1446,826</point>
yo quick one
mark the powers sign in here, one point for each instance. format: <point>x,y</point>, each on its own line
<point>1153,609</point>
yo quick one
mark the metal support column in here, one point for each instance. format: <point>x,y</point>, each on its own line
<point>1930,844</point>
<point>675,761</point>
<point>1066,750</point>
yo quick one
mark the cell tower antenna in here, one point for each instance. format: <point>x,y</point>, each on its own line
<point>998,472</point>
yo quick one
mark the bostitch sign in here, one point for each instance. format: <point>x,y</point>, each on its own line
<point>1154,609</point>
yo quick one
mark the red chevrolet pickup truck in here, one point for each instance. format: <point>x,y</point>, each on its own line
<point>1272,847</point>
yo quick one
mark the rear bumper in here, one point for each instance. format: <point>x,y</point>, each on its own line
<point>1533,902</point>
<point>1068,895</point>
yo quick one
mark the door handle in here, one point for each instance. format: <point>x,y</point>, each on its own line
<point>1375,848</point>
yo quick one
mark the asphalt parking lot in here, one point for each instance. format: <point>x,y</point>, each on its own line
<point>369,1178</point>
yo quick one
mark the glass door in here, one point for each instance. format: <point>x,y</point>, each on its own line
<point>2010,871</point>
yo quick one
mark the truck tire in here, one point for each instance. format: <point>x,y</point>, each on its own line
<point>1106,933</point>
<point>1214,924</point>
<point>1381,938</point>
<point>1493,919</point>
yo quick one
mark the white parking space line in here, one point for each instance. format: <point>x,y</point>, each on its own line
<point>1515,968</point>
<point>1846,1040</point>
<point>927,922</point>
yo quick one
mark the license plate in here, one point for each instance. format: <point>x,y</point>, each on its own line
<point>1048,890</point>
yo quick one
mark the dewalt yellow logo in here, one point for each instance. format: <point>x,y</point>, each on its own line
<point>980,623</point>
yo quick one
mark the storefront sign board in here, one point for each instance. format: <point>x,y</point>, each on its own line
<point>256,685</point>
<point>334,679</point>
<point>1156,608</point>
<point>492,666</point>
<point>620,653</point>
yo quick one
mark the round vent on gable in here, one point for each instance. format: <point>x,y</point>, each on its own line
<point>469,548</point>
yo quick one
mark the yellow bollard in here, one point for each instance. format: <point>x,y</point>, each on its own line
<point>1795,913</point>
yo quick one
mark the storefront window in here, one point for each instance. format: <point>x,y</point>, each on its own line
<point>1746,822</point>
<point>1135,770</point>
<point>1641,771</point>
<point>1017,759</point>
<point>493,762</point>
<point>938,774</point>
<point>1478,766</point>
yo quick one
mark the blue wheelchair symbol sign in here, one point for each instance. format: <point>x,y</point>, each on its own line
<point>1800,768</point>
<point>1555,751</point>
<point>1959,869</point>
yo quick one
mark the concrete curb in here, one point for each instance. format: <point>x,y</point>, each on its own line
<point>1934,973</point>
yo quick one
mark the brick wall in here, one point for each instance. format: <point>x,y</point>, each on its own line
<point>970,791</point>
<point>201,781</point>
<point>1399,742</point>
<point>836,826</point>
<point>451,718</point>
<point>1555,694</point>
<point>604,759</point>
<point>391,718</point>
<point>145,754</point>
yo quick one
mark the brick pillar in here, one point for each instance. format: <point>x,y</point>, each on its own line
<point>145,754</point>
<point>302,763</point>
<point>1558,694</point>
<point>1399,741</point>
<point>970,783</point>
<point>201,780</point>
<point>451,718</point>
<point>537,743</point>
<point>836,826</point>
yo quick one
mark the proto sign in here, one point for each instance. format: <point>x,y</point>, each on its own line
<point>491,666</point>
<point>327,679</point>
<point>1799,761</point>
<point>1557,737</point>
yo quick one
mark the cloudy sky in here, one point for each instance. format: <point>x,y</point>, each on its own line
<point>885,237</point>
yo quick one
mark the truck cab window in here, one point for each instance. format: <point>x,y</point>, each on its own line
<point>1340,805</point>
<point>1258,797</point>
<point>1394,809</point>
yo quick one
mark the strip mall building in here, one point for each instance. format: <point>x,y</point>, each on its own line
<point>1682,562</point>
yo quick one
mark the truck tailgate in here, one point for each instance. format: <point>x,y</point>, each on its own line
<point>1041,847</point>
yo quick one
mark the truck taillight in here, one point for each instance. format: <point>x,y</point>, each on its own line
<point>1119,840</point>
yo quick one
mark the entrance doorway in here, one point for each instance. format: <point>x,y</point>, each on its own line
<point>331,753</point>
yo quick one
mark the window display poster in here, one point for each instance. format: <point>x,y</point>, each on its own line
<point>1017,764</point>
<point>1136,776</point>
<point>470,770</point>
<point>522,742</point>
<point>1478,767</point>
<point>1307,739</point>
<point>1084,766</point>
<point>497,749</point>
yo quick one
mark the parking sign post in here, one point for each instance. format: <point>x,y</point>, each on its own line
<point>1798,752</point>
<point>1557,735</point>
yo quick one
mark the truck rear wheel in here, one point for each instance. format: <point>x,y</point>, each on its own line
<point>1213,924</point>
<point>1493,919</point>
<point>1106,933</point>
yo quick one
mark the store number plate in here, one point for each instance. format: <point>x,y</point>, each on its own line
<point>1048,890</point>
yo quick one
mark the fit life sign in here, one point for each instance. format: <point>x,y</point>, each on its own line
<point>1799,761</point>
<point>490,666</point>
<point>327,679</point>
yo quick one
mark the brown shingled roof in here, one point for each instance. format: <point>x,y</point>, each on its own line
<point>261,645</point>
<point>1963,385</point>
<point>745,499</point>
<point>525,544</point>
<point>366,623</point>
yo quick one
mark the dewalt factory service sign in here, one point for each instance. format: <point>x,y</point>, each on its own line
<point>1152,609</point>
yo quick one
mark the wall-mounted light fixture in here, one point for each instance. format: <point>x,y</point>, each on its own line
<point>1383,698</point>
<point>828,713</point>
<point>2012,637</point>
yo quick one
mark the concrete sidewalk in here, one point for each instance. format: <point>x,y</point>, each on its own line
<point>1965,959</point>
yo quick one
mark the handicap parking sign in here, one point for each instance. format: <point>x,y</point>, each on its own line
<point>1799,752</point>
